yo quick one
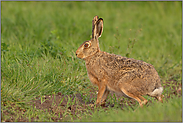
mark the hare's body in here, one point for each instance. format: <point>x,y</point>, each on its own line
<point>118,70</point>
<point>122,75</point>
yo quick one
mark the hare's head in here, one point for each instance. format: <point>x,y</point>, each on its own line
<point>89,48</point>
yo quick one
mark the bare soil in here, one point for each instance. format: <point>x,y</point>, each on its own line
<point>75,105</point>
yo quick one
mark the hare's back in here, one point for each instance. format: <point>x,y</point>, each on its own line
<point>117,62</point>
<point>138,76</point>
<point>118,67</point>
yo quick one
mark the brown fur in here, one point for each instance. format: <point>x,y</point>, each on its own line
<point>122,75</point>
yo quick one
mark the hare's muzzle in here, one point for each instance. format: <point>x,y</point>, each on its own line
<point>79,54</point>
<point>76,54</point>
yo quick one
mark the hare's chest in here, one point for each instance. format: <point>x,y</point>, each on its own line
<point>95,69</point>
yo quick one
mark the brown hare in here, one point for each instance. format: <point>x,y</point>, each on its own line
<point>121,75</point>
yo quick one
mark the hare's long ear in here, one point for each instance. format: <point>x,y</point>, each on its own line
<point>97,27</point>
<point>94,21</point>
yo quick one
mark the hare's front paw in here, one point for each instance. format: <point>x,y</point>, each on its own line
<point>97,105</point>
<point>91,105</point>
<point>94,105</point>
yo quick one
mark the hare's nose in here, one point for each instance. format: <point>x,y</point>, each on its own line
<point>76,54</point>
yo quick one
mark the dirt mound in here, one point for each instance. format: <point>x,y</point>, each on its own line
<point>60,104</point>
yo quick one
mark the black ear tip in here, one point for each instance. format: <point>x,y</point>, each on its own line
<point>100,19</point>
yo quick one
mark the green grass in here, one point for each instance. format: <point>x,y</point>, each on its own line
<point>167,112</point>
<point>39,40</point>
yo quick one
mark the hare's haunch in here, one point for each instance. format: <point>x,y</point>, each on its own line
<point>122,75</point>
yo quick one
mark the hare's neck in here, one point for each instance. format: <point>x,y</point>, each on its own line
<point>92,57</point>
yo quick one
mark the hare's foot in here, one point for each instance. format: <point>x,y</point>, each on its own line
<point>144,102</point>
<point>94,105</point>
<point>91,105</point>
<point>159,98</point>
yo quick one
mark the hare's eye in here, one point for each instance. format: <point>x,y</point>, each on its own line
<point>86,45</point>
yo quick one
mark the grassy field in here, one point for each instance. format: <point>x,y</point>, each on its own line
<point>38,44</point>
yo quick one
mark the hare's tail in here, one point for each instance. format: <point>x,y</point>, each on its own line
<point>156,92</point>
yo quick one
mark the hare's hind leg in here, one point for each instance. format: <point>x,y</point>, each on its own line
<point>133,96</point>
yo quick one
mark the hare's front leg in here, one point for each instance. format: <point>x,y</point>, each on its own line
<point>105,95</point>
<point>101,89</point>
